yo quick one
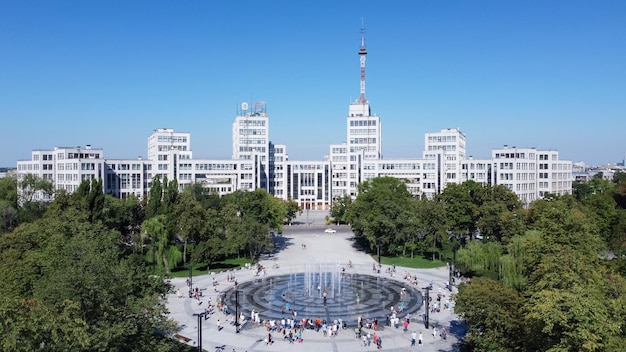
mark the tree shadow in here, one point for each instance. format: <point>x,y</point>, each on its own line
<point>280,243</point>
<point>359,243</point>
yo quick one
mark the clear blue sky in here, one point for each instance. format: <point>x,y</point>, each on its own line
<point>548,74</point>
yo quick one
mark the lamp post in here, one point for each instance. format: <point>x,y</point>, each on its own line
<point>378,246</point>
<point>453,238</point>
<point>236,309</point>
<point>452,266</point>
<point>190,280</point>
<point>199,315</point>
<point>426,305</point>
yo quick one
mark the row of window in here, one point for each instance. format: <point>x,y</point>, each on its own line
<point>361,123</point>
<point>362,140</point>
<point>226,166</point>
<point>251,122</point>
<point>441,139</point>
<point>545,157</point>
<point>531,156</point>
<point>252,141</point>
<point>474,166</point>
<point>165,148</point>
<point>251,132</point>
<point>445,148</point>
<point>172,139</point>
<point>248,149</point>
<point>360,131</point>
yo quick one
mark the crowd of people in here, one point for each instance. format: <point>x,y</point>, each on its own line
<point>291,328</point>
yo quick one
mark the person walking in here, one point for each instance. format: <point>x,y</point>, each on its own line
<point>419,341</point>
<point>413,338</point>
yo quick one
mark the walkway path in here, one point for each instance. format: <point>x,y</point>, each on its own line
<point>291,258</point>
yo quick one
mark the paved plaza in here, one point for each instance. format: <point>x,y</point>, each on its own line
<point>306,262</point>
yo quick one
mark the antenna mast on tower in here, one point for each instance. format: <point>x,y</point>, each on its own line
<point>362,53</point>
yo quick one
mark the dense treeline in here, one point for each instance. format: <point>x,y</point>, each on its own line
<point>385,214</point>
<point>549,277</point>
<point>559,285</point>
<point>85,272</point>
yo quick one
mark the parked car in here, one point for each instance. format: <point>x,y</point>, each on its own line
<point>330,230</point>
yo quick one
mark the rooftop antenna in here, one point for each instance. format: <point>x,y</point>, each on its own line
<point>362,53</point>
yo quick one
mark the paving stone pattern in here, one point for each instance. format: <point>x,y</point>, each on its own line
<point>320,264</point>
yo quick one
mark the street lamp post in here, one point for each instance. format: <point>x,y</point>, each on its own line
<point>378,246</point>
<point>199,315</point>
<point>236,309</point>
<point>426,305</point>
<point>453,238</point>
<point>452,266</point>
<point>190,280</point>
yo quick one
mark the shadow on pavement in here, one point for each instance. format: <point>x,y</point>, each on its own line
<point>281,243</point>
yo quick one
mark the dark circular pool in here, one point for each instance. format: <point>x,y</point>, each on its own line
<point>277,297</point>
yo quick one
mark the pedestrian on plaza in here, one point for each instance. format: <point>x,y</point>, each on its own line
<point>413,338</point>
<point>219,325</point>
<point>419,341</point>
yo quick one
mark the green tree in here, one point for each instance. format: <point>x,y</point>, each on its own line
<point>493,314</point>
<point>69,287</point>
<point>433,225</point>
<point>169,196</point>
<point>161,247</point>
<point>567,306</point>
<point>8,190</point>
<point>154,198</point>
<point>248,218</point>
<point>481,257</point>
<point>293,209</point>
<point>380,212</point>
<point>339,209</point>
<point>30,208</point>
<point>8,217</point>
<point>126,217</point>
<point>500,214</point>
<point>90,195</point>
<point>461,203</point>
<point>191,220</point>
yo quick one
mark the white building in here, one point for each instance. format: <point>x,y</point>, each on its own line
<point>251,139</point>
<point>257,162</point>
<point>66,167</point>
<point>447,149</point>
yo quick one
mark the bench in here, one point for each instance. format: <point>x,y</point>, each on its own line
<point>182,338</point>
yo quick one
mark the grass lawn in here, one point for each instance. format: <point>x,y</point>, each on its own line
<point>408,262</point>
<point>201,268</point>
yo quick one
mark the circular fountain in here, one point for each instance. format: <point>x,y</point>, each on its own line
<point>327,291</point>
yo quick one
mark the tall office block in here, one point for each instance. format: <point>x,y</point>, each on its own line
<point>251,139</point>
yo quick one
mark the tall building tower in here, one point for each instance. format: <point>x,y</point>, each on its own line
<point>251,141</point>
<point>447,149</point>
<point>364,131</point>
<point>167,148</point>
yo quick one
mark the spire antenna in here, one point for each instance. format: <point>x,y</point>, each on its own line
<point>362,53</point>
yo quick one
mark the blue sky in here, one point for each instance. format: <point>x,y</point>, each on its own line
<point>545,74</point>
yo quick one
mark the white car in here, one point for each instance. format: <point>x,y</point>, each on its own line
<point>330,230</point>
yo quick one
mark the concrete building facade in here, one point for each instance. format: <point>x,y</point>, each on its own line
<point>257,162</point>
